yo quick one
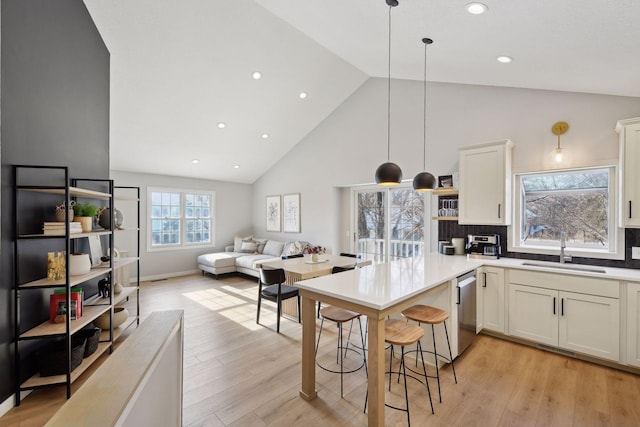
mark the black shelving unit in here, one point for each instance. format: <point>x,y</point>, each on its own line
<point>34,204</point>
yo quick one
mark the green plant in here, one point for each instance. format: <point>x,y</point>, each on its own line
<point>85,209</point>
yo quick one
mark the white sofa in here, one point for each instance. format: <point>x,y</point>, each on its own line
<point>247,254</point>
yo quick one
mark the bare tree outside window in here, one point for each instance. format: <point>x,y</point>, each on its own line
<point>404,219</point>
<point>575,202</point>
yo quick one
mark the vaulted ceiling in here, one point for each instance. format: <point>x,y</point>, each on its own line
<point>179,68</point>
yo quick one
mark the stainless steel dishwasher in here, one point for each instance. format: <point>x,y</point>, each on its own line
<point>466,288</point>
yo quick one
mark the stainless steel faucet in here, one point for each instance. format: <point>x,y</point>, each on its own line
<point>563,244</point>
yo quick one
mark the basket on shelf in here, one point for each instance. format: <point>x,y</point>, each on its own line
<point>55,362</point>
<point>92,337</point>
<point>60,213</point>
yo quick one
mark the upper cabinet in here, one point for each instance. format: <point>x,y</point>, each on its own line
<point>629,131</point>
<point>484,189</point>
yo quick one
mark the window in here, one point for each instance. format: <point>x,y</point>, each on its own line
<point>578,203</point>
<point>389,223</point>
<point>180,218</point>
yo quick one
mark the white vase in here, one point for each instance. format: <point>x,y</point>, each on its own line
<point>79,264</point>
<point>314,257</point>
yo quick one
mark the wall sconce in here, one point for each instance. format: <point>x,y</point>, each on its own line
<point>559,128</point>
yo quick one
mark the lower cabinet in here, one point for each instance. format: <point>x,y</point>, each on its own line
<point>490,302</point>
<point>587,324</point>
<point>633,324</point>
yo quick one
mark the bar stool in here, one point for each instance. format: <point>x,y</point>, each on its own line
<point>432,316</point>
<point>340,316</point>
<point>398,332</point>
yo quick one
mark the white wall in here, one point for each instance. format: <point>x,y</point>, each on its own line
<point>233,216</point>
<point>349,145</point>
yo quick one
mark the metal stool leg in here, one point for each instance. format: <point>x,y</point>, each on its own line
<point>450,354</point>
<point>435,356</point>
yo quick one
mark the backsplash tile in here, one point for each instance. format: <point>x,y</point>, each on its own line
<point>449,229</point>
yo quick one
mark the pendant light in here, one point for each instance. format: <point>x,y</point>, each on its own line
<point>389,174</point>
<point>424,181</point>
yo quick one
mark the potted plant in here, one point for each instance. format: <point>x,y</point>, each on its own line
<point>84,213</point>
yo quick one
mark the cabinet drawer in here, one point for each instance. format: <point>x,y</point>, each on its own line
<point>566,282</point>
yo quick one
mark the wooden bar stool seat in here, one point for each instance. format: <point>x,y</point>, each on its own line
<point>340,316</point>
<point>432,316</point>
<point>398,332</point>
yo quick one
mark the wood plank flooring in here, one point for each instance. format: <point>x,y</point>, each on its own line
<point>238,373</point>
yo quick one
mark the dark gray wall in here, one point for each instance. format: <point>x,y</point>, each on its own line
<point>55,111</point>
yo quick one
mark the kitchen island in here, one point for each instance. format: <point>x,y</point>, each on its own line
<point>376,291</point>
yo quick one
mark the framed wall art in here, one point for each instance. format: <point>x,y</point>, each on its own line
<point>291,213</point>
<point>273,213</point>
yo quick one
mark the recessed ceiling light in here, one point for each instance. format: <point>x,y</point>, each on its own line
<point>265,135</point>
<point>222,125</point>
<point>194,161</point>
<point>504,59</point>
<point>476,8</point>
<point>236,166</point>
<point>303,95</point>
<point>256,75</point>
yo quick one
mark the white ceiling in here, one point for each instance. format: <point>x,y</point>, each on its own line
<point>180,67</point>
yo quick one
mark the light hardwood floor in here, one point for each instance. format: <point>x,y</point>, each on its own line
<point>238,373</point>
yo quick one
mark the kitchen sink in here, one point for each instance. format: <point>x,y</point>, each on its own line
<point>565,267</point>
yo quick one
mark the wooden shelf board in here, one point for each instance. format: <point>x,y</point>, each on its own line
<point>71,236</point>
<point>445,191</point>
<point>125,198</point>
<point>73,191</point>
<point>444,218</point>
<point>89,313</point>
<point>74,280</point>
<point>96,300</point>
<point>117,332</point>
<point>38,381</point>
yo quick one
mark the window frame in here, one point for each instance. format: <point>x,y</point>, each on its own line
<point>616,249</point>
<point>183,245</point>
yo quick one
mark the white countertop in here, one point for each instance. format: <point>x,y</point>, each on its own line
<point>380,286</point>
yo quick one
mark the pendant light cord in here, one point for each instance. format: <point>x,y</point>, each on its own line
<point>389,94</point>
<point>424,117</point>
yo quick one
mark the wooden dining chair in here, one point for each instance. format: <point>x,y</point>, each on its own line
<point>275,290</point>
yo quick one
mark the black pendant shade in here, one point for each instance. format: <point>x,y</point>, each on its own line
<point>424,181</point>
<point>388,174</point>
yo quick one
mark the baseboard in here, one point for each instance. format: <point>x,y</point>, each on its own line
<point>168,275</point>
<point>9,403</point>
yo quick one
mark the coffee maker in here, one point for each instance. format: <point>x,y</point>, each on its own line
<point>483,245</point>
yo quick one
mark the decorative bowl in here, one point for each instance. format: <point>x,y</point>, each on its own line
<point>120,315</point>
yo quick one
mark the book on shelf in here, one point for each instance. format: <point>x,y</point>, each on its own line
<point>58,304</point>
<point>59,228</point>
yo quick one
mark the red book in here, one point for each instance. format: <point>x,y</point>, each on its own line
<point>58,305</point>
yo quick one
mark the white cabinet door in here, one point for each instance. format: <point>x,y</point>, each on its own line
<point>590,324</point>
<point>630,174</point>
<point>633,324</point>
<point>533,313</point>
<point>492,290</point>
<point>484,189</point>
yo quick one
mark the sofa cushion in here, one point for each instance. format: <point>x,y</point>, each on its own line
<point>273,248</point>
<point>219,259</point>
<point>237,242</point>
<point>248,247</point>
<point>252,261</point>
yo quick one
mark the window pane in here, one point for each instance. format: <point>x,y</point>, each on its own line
<point>573,202</point>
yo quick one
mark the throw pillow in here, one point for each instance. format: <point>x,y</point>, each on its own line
<point>292,248</point>
<point>248,247</point>
<point>260,243</point>
<point>237,242</point>
<point>273,248</point>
